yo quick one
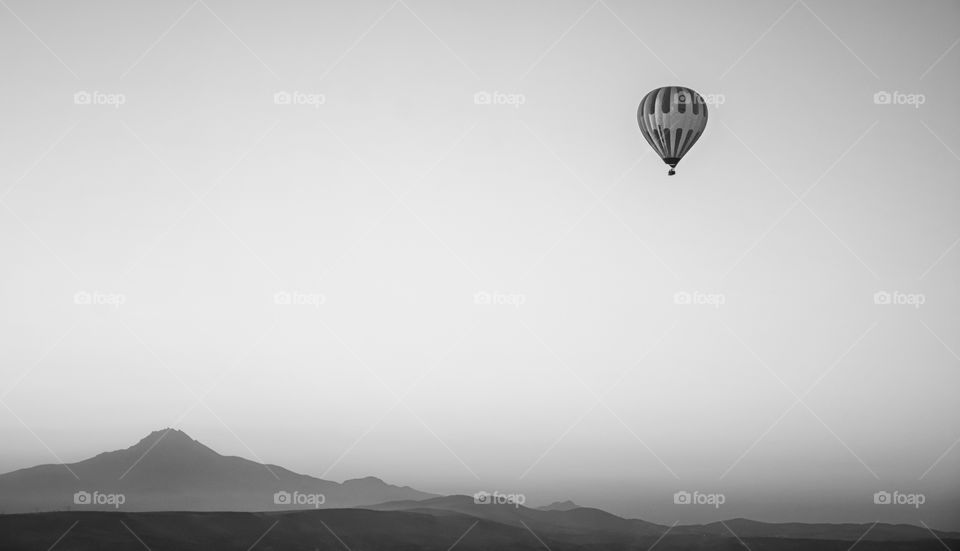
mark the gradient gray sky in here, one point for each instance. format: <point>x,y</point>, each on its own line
<point>399,198</point>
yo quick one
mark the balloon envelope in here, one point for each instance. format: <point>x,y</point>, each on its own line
<point>672,119</point>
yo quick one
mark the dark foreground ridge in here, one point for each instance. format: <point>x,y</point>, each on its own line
<point>362,530</point>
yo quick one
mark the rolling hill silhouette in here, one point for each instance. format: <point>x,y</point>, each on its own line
<point>180,494</point>
<point>362,529</point>
<point>559,506</point>
<point>596,523</point>
<point>168,470</point>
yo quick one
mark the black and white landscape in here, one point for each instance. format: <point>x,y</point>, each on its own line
<point>411,274</point>
<point>183,495</point>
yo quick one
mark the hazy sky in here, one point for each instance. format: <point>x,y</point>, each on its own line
<point>145,234</point>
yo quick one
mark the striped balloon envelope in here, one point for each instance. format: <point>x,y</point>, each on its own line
<point>672,119</point>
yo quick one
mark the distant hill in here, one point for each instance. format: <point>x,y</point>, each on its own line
<point>168,470</point>
<point>559,506</point>
<point>360,529</point>
<point>582,524</point>
<point>848,532</point>
<point>596,523</point>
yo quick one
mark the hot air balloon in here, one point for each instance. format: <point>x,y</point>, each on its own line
<point>672,119</point>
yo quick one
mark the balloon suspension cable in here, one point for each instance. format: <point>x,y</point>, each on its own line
<point>671,172</point>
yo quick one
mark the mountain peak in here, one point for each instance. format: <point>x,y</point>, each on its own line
<point>366,479</point>
<point>560,506</point>
<point>169,470</point>
<point>168,437</point>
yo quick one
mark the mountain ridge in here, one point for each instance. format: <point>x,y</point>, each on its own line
<point>168,470</point>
